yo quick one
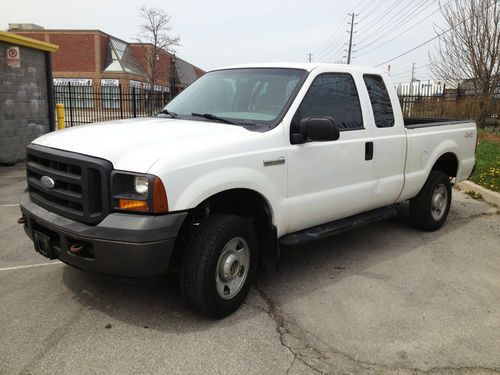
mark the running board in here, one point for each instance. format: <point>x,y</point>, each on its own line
<point>338,226</point>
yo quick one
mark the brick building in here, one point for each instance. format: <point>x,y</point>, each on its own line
<point>93,57</point>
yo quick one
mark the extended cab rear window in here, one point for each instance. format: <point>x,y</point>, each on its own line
<point>381,102</point>
<point>333,95</point>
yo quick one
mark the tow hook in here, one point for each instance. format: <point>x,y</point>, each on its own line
<point>21,220</point>
<point>76,248</point>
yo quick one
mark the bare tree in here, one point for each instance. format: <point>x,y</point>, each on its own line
<point>155,37</point>
<point>469,50</point>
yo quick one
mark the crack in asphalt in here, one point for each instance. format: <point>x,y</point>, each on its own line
<point>317,359</point>
<point>282,329</point>
<point>458,370</point>
<point>291,363</point>
<point>52,340</point>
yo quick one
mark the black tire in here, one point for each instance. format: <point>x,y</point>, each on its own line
<point>421,207</point>
<point>200,264</point>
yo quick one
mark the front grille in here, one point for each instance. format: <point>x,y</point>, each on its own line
<point>81,190</point>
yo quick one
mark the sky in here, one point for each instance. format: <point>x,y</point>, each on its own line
<point>221,32</point>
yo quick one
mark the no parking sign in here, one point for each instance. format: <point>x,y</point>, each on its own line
<point>13,57</point>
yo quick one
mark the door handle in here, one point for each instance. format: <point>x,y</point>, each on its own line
<point>278,161</point>
<point>368,150</point>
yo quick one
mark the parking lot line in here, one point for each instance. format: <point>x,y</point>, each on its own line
<point>9,205</point>
<point>29,266</point>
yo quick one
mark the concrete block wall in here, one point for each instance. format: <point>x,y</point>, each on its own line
<point>24,113</point>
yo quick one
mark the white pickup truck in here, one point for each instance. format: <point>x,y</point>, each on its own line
<point>245,159</point>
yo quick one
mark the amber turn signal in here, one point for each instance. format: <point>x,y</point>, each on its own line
<point>160,202</point>
<point>133,205</point>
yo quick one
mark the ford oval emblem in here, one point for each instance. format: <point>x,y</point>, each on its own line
<point>47,182</point>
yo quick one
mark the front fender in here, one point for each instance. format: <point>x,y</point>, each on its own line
<point>186,194</point>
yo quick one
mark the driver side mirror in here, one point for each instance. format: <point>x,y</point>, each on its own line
<point>319,129</point>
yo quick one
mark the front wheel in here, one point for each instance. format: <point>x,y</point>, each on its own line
<point>430,208</point>
<point>219,265</point>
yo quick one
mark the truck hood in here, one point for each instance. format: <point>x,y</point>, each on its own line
<point>136,144</point>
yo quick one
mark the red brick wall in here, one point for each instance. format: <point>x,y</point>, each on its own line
<point>139,53</point>
<point>198,72</point>
<point>103,41</point>
<point>163,64</point>
<point>76,52</point>
<point>78,58</point>
<point>164,69</point>
<point>37,36</point>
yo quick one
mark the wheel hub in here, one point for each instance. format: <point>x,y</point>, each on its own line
<point>232,267</point>
<point>439,202</point>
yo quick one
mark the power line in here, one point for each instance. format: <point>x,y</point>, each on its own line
<point>334,40</point>
<point>359,4</point>
<point>373,5</point>
<point>384,14</point>
<point>399,17</point>
<point>431,39</point>
<point>340,49</point>
<point>337,52</point>
<point>407,71</point>
<point>327,46</point>
<point>393,25</point>
<point>396,37</point>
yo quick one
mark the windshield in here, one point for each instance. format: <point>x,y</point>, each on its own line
<point>241,96</point>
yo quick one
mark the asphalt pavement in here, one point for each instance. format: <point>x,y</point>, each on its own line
<point>383,299</point>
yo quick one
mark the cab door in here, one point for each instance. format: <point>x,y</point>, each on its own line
<point>332,179</point>
<point>389,140</point>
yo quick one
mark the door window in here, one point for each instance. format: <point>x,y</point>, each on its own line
<point>381,103</point>
<point>333,95</point>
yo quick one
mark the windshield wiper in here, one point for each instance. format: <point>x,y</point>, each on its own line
<point>167,112</point>
<point>210,116</point>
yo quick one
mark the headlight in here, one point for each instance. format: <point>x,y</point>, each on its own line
<point>138,193</point>
<point>141,185</point>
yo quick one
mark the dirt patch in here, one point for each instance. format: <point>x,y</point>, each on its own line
<point>489,137</point>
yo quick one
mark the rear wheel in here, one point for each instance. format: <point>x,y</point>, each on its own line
<point>430,208</point>
<point>219,265</point>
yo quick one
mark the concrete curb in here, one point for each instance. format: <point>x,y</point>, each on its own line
<point>489,196</point>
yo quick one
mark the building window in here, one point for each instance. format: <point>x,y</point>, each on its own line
<point>75,93</point>
<point>110,93</point>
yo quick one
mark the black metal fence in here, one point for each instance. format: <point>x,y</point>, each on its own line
<point>430,106</point>
<point>95,103</point>
<point>440,102</point>
<point>420,100</point>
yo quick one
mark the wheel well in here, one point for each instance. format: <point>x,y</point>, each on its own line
<point>241,202</point>
<point>447,163</point>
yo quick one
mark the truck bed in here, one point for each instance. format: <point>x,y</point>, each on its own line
<point>421,122</point>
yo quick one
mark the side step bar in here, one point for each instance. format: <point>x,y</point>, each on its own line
<point>338,226</point>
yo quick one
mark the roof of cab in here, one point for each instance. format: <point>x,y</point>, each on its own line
<point>306,66</point>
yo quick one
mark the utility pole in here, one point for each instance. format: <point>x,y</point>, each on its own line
<point>349,52</point>
<point>309,57</point>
